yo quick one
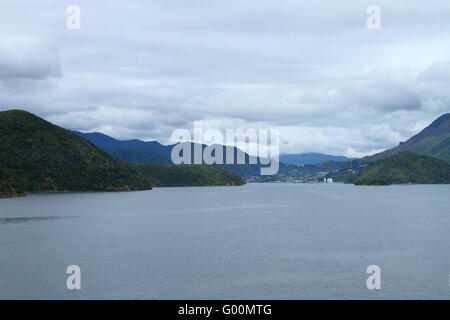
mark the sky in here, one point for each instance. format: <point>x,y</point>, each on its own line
<point>310,69</point>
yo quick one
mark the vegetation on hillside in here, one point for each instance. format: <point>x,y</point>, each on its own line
<point>140,156</point>
<point>188,175</point>
<point>402,168</point>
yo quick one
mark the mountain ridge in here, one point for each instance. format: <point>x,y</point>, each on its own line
<point>109,143</point>
<point>152,152</point>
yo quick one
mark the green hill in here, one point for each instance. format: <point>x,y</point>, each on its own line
<point>402,168</point>
<point>37,156</point>
<point>188,175</point>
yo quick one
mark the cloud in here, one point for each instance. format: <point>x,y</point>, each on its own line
<point>434,85</point>
<point>20,63</point>
<point>312,69</point>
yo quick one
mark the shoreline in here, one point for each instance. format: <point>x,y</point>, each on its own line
<point>2,196</point>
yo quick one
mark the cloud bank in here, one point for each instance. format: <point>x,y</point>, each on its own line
<point>313,70</point>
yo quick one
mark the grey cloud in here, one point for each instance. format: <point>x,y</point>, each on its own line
<point>23,62</point>
<point>141,69</point>
<point>434,85</point>
<point>439,72</point>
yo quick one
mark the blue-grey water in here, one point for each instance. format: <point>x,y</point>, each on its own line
<point>258,241</point>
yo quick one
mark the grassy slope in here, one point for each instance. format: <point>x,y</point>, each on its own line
<point>36,155</point>
<point>402,168</point>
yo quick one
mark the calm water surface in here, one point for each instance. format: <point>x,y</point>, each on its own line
<point>259,241</point>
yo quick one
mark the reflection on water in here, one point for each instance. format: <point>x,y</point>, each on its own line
<point>29,219</point>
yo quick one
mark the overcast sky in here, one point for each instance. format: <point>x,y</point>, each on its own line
<point>140,69</point>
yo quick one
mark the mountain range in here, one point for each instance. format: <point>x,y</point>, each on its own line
<point>132,151</point>
<point>433,141</point>
<point>152,152</point>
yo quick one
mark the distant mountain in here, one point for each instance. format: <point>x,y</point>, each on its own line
<point>131,151</point>
<point>310,158</point>
<point>433,141</point>
<point>152,152</point>
<point>402,168</point>
<point>108,143</point>
<point>37,156</point>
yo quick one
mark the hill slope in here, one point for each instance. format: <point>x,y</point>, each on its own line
<point>402,168</point>
<point>433,141</point>
<point>140,156</point>
<point>188,175</point>
<point>37,156</point>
